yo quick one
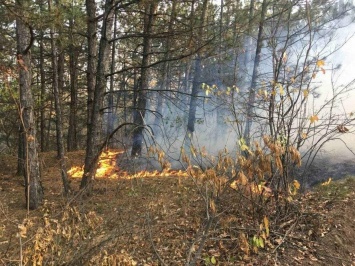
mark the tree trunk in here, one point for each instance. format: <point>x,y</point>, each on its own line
<point>251,98</point>
<point>92,56</point>
<point>72,142</point>
<point>143,85</point>
<point>58,111</point>
<point>110,113</point>
<point>44,141</point>
<point>165,71</point>
<point>248,57</point>
<point>94,127</point>
<point>196,84</point>
<point>33,186</point>
<point>197,75</point>
<point>21,152</point>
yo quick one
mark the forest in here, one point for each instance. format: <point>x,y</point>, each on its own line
<point>176,132</point>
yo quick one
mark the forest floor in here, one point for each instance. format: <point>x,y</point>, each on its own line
<point>151,219</point>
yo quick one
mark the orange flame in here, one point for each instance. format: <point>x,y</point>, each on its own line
<point>107,168</point>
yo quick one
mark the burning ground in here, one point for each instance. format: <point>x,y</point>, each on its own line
<point>155,218</point>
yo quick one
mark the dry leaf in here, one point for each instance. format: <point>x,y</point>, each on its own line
<point>326,183</point>
<point>296,184</point>
<point>314,118</point>
<point>22,230</point>
<point>320,63</point>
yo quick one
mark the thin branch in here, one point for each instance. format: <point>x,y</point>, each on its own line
<point>152,243</point>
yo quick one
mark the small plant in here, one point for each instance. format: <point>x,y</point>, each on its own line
<point>257,178</point>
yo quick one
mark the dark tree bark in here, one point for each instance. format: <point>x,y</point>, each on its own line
<point>21,152</point>
<point>43,139</point>
<point>58,111</point>
<point>251,98</point>
<point>72,142</point>
<point>94,127</point>
<point>143,85</point>
<point>92,56</point>
<point>110,114</point>
<point>197,74</point>
<point>60,83</point>
<point>32,175</point>
<point>196,85</point>
<point>165,71</point>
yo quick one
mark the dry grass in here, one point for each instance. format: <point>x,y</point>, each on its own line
<point>151,220</point>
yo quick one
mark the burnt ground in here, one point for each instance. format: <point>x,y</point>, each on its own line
<point>323,169</point>
<point>155,220</point>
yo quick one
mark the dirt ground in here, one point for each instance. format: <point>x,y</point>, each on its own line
<point>156,219</point>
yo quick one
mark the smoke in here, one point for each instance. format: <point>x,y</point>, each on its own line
<point>221,112</point>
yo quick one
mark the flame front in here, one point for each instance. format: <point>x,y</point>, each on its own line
<point>107,168</point>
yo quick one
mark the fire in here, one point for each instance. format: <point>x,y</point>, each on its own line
<point>144,174</point>
<point>107,168</point>
<point>76,172</point>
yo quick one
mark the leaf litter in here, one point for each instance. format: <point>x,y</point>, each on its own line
<point>153,220</point>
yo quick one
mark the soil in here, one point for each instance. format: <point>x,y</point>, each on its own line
<point>156,219</point>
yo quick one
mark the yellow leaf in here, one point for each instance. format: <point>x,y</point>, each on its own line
<point>303,135</point>
<point>242,179</point>
<point>261,242</point>
<point>244,147</point>
<point>313,118</point>
<point>213,206</point>
<point>305,93</point>
<point>192,149</point>
<point>266,222</point>
<point>326,183</point>
<point>213,260</point>
<point>280,88</point>
<point>320,63</point>
<point>234,185</point>
<point>296,184</point>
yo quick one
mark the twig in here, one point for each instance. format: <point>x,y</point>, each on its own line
<point>334,257</point>
<point>152,243</point>
<point>285,235</point>
<point>201,245</point>
<point>21,255</point>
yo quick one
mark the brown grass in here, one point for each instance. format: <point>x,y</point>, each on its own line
<point>153,220</point>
